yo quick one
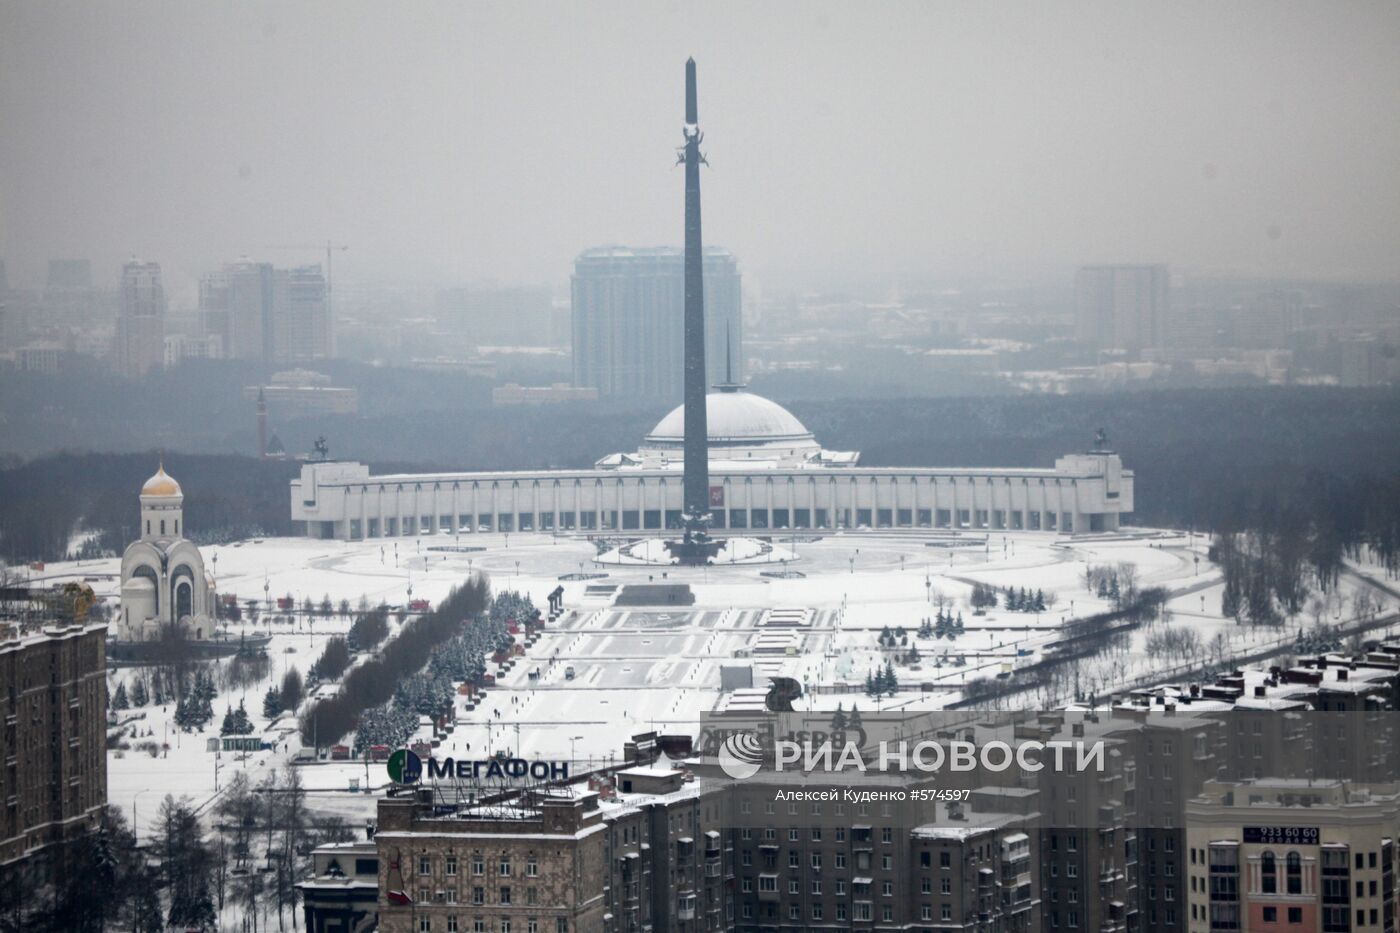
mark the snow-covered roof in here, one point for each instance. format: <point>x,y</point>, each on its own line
<point>735,418</point>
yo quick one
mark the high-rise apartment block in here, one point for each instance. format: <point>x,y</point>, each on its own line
<point>1121,307</point>
<point>628,320</point>
<point>140,334</point>
<point>263,313</point>
<point>53,781</point>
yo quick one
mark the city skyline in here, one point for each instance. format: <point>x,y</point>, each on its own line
<point>982,150</point>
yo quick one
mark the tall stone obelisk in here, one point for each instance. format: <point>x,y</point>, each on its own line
<point>697,453</point>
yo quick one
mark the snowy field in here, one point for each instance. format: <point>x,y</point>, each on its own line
<point>641,668</point>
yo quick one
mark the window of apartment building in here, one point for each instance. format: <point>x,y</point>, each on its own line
<point>840,888</point>
<point>840,834</point>
<point>451,865</point>
<point>887,888</point>
<point>817,861</point>
<point>792,808</point>
<point>816,911</point>
<point>532,867</point>
<point>746,858</point>
<point>1268,873</point>
<point>425,865</point>
<point>1072,918</point>
<point>505,895</point>
<point>450,895</point>
<point>478,926</point>
<point>794,859</point>
<point>768,884</point>
<point>747,910</point>
<point>794,911</point>
<point>840,859</point>
<point>746,806</point>
<point>946,912</point>
<point>887,834</point>
<point>505,925</point>
<point>425,896</point>
<point>886,862</point>
<point>532,926</point>
<point>794,886</point>
<point>816,834</point>
<point>478,896</point>
<point>425,925</point>
<point>925,911</point>
<point>532,896</point>
<point>1295,915</point>
<point>747,886</point>
<point>887,914</point>
<point>478,865</point>
<point>840,911</point>
<point>1072,843</point>
<point>794,835</point>
<point>816,887</point>
<point>860,910</point>
<point>746,833</point>
<point>1071,870</point>
<point>505,866</point>
<point>945,859</point>
<point>451,925</point>
<point>946,887</point>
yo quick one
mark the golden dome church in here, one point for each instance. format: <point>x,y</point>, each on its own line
<point>164,583</point>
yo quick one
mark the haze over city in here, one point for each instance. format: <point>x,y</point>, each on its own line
<point>699,469</point>
<point>912,141</point>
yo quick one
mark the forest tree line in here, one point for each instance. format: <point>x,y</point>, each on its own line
<point>1203,459</point>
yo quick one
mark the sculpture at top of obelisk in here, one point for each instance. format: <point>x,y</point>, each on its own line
<point>695,549</point>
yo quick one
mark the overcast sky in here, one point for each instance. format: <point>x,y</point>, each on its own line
<point>479,142</point>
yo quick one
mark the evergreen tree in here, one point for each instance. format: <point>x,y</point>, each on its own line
<point>1039,601</point>
<point>870,684</point>
<point>854,721</point>
<point>139,697</point>
<point>838,721</point>
<point>291,691</point>
<point>891,681</point>
<point>272,702</point>
<point>146,913</point>
<point>228,727</point>
<point>119,700</point>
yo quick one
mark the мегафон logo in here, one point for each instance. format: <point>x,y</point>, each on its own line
<point>406,767</point>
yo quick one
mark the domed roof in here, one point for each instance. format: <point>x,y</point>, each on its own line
<point>162,484</point>
<point>735,419</point>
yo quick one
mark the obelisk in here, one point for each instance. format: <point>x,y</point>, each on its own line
<point>697,453</point>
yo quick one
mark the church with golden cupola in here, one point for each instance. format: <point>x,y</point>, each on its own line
<point>164,586</point>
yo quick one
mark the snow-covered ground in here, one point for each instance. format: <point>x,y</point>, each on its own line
<point>637,669</point>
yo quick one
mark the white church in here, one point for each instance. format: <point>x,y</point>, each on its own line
<point>164,582</point>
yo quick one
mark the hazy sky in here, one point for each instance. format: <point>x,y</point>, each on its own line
<point>465,141</point>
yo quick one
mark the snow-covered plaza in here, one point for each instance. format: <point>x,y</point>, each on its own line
<point>618,662</point>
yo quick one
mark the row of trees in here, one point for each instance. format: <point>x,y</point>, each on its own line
<point>882,682</point>
<point>461,660</point>
<point>943,625</point>
<point>372,683</point>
